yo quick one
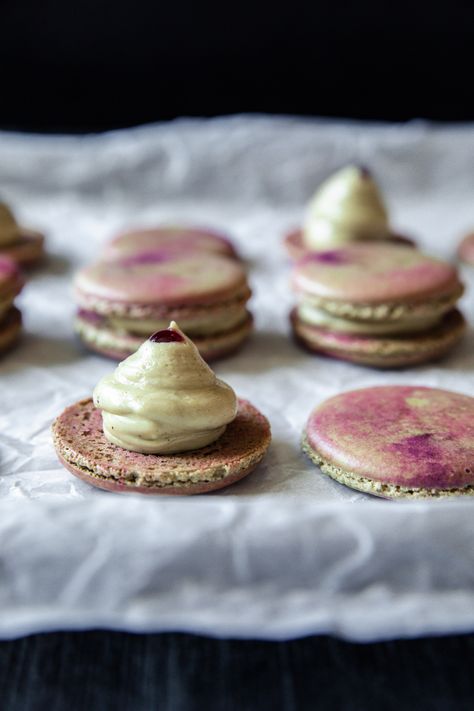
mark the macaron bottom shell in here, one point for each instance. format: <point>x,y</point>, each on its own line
<point>83,449</point>
<point>120,344</point>
<point>382,351</point>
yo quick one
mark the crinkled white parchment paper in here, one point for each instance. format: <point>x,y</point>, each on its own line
<point>286,552</point>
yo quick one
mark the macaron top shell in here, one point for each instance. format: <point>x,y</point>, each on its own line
<point>169,238</point>
<point>403,435</point>
<point>163,277</point>
<point>374,273</point>
<point>11,279</point>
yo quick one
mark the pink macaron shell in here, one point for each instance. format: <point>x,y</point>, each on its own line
<point>162,277</point>
<point>373,273</point>
<point>297,249</point>
<point>179,238</point>
<point>409,436</point>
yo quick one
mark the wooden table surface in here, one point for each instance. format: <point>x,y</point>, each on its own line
<point>97,670</point>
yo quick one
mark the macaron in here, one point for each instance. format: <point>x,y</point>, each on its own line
<point>83,449</point>
<point>11,283</point>
<point>122,302</point>
<point>20,244</point>
<point>396,441</point>
<point>168,237</point>
<point>377,304</point>
<point>348,207</point>
<point>466,249</point>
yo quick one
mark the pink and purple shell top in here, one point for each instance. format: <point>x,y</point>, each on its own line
<point>402,435</point>
<point>169,238</point>
<point>163,277</point>
<point>373,273</point>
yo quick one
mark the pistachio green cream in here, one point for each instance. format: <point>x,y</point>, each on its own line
<point>164,399</point>
<point>348,207</point>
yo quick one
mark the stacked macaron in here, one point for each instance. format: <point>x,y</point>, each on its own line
<point>23,245</point>
<point>348,207</point>
<point>122,301</point>
<point>377,304</point>
<point>11,283</point>
<point>169,238</point>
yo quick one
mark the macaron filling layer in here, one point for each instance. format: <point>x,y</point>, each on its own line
<point>202,324</point>
<point>314,316</point>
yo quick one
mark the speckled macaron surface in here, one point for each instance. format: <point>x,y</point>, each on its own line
<point>466,249</point>
<point>86,453</point>
<point>396,441</point>
<point>170,237</point>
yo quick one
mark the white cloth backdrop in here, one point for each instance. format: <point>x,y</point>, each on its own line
<point>286,552</point>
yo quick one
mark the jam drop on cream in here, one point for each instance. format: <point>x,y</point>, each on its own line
<point>164,399</point>
<point>167,335</point>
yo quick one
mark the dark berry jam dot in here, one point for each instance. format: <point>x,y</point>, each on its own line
<point>364,172</point>
<point>166,336</point>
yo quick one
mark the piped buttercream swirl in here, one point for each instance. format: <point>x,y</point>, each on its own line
<point>164,398</point>
<point>348,207</point>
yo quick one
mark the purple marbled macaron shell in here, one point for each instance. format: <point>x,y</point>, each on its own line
<point>176,238</point>
<point>297,249</point>
<point>163,277</point>
<point>403,435</point>
<point>373,273</point>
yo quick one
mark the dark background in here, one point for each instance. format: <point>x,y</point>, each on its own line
<point>98,64</point>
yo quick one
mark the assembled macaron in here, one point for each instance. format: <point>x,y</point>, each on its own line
<point>11,283</point>
<point>348,207</point>
<point>168,238</point>
<point>377,304</point>
<point>162,423</point>
<point>23,245</point>
<point>122,302</point>
<point>396,441</point>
